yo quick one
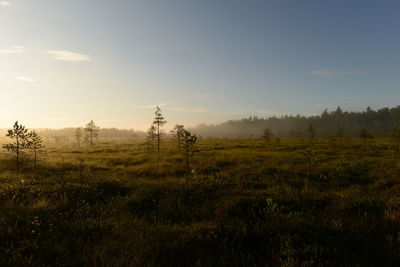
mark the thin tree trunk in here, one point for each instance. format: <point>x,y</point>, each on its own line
<point>34,161</point>
<point>17,160</point>
<point>187,160</point>
<point>187,167</point>
<point>17,151</point>
<point>158,147</point>
<point>158,138</point>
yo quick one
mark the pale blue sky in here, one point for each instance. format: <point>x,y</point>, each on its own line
<point>67,62</point>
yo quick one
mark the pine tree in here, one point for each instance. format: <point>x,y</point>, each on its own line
<point>178,131</point>
<point>339,133</point>
<point>91,131</point>
<point>36,145</point>
<point>311,131</point>
<point>267,134</point>
<point>158,122</point>
<point>364,135</point>
<point>78,136</point>
<point>21,136</point>
<point>150,138</point>
<point>188,147</point>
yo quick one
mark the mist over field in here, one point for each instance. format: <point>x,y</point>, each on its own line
<point>379,122</point>
<point>199,133</point>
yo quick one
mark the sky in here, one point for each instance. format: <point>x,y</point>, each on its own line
<point>66,62</point>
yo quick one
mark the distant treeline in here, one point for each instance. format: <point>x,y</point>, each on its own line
<point>68,134</point>
<point>349,124</point>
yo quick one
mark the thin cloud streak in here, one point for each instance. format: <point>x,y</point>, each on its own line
<point>127,121</point>
<point>152,106</point>
<point>5,3</point>
<point>69,56</point>
<point>202,95</point>
<point>202,110</point>
<point>193,110</point>
<point>13,50</point>
<point>25,79</point>
<point>55,119</point>
<point>338,72</point>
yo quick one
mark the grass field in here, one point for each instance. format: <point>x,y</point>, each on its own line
<point>250,203</point>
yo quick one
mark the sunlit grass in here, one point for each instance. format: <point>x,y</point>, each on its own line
<point>249,203</point>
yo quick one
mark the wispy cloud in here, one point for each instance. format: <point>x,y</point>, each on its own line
<point>54,119</point>
<point>145,95</point>
<point>12,50</point>
<point>68,56</point>
<point>202,110</point>
<point>128,121</point>
<point>193,110</point>
<point>25,79</point>
<point>5,3</point>
<point>152,106</point>
<point>202,95</point>
<point>338,72</point>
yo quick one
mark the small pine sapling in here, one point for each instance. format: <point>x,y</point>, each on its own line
<point>21,136</point>
<point>36,145</point>
<point>92,132</point>
<point>188,148</point>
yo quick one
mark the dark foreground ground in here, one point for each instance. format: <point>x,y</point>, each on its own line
<point>292,203</point>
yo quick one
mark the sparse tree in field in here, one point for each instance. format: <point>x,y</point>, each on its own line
<point>339,133</point>
<point>21,136</point>
<point>150,138</point>
<point>365,135</point>
<point>188,147</point>
<point>311,131</point>
<point>267,134</point>
<point>396,136</point>
<point>158,122</point>
<point>278,141</point>
<point>36,145</point>
<point>78,136</point>
<point>92,131</point>
<point>309,154</point>
<point>178,132</point>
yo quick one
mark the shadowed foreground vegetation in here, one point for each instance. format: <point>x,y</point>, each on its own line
<point>249,203</point>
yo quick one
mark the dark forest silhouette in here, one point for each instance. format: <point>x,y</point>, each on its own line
<point>379,123</point>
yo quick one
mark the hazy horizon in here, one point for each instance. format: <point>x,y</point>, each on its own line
<point>169,126</point>
<point>68,62</point>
